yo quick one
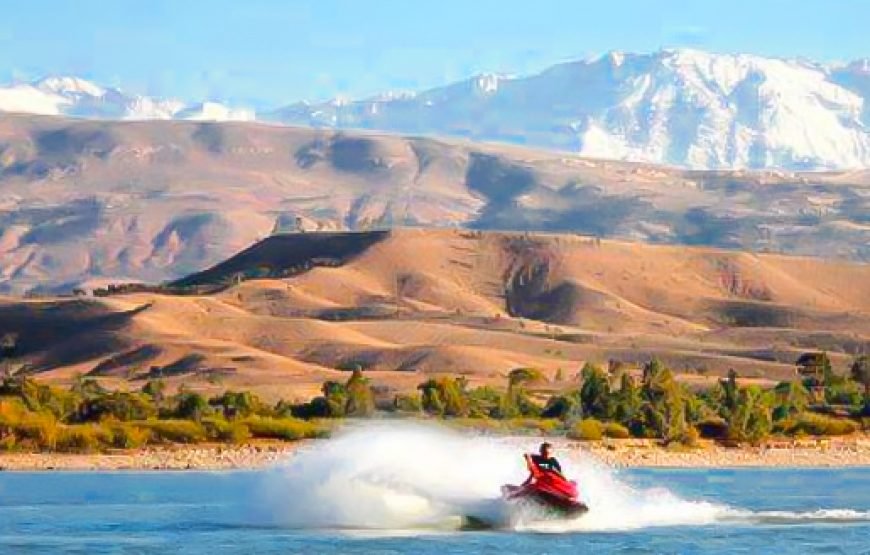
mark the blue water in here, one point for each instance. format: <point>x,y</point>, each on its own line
<point>781,511</point>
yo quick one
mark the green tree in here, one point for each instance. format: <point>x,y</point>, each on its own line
<point>751,420</point>
<point>360,398</point>
<point>595,392</point>
<point>564,406</point>
<point>156,389</point>
<point>524,376</point>
<point>334,398</point>
<point>445,396</point>
<point>120,405</point>
<point>237,404</point>
<point>664,408</point>
<point>628,401</point>
<point>191,406</point>
<point>816,369</point>
<point>431,401</point>
<point>860,372</point>
<point>790,398</point>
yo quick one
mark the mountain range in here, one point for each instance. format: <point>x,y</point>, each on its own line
<point>83,202</point>
<point>684,108</point>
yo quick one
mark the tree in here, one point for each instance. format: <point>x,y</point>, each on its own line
<point>156,389</point>
<point>751,420</point>
<point>334,398</point>
<point>815,368</point>
<point>860,372</point>
<point>191,405</point>
<point>627,402</point>
<point>595,392</point>
<point>235,404</point>
<point>563,407</point>
<point>730,394</point>
<point>790,398</point>
<point>522,376</point>
<point>445,396</point>
<point>431,397</point>
<point>360,398</point>
<point>665,410</point>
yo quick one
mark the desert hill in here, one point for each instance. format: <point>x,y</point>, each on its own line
<point>296,309</point>
<point>86,202</point>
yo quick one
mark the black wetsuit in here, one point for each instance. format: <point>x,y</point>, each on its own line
<point>547,464</point>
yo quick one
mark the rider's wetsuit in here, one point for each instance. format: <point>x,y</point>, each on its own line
<point>547,464</point>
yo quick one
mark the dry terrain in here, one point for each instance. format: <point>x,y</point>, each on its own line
<point>85,202</point>
<point>411,303</point>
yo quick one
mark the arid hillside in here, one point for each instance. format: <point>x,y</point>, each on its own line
<point>410,303</point>
<point>85,202</point>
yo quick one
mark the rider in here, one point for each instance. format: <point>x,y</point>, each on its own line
<point>545,461</point>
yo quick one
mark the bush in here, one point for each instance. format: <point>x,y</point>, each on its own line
<point>286,429</point>
<point>229,432</point>
<point>817,425</point>
<point>616,430</point>
<point>174,431</point>
<point>82,438</point>
<point>408,403</point>
<point>40,428</point>
<point>537,425</point>
<point>588,429</point>
<point>690,437</point>
<point>127,436</point>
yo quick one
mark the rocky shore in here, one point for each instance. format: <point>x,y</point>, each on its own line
<point>822,452</point>
<point>629,453</point>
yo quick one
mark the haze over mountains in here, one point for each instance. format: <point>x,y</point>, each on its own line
<point>84,202</point>
<point>684,107</point>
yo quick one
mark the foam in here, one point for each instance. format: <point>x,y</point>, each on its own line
<point>405,476</point>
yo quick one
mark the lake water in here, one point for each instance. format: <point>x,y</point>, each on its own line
<point>329,501</point>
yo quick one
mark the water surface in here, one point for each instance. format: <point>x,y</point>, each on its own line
<point>782,510</point>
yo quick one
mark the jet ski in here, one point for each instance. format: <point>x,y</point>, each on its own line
<point>548,490</point>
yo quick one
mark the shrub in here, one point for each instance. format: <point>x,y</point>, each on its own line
<point>229,432</point>
<point>287,429</point>
<point>817,425</point>
<point>408,403</point>
<point>537,425</point>
<point>40,428</point>
<point>174,431</point>
<point>690,437</point>
<point>125,435</point>
<point>588,429</point>
<point>616,430</point>
<point>119,405</point>
<point>82,438</point>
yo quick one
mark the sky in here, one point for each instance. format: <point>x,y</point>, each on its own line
<point>266,53</point>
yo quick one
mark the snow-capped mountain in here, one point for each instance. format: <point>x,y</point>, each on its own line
<point>680,107</point>
<point>76,97</point>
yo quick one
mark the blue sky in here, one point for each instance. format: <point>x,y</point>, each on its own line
<point>266,53</point>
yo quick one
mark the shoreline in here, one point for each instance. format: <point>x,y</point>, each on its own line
<point>842,452</point>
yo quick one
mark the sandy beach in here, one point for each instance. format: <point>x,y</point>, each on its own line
<point>630,453</point>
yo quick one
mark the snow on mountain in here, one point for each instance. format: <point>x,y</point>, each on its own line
<point>76,97</point>
<point>213,111</point>
<point>679,107</point>
<point>31,100</point>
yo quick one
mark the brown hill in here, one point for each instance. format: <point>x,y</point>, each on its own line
<point>83,202</point>
<point>409,303</point>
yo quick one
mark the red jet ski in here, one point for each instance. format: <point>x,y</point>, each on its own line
<point>549,490</point>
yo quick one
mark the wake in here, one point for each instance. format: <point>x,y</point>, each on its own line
<point>403,476</point>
